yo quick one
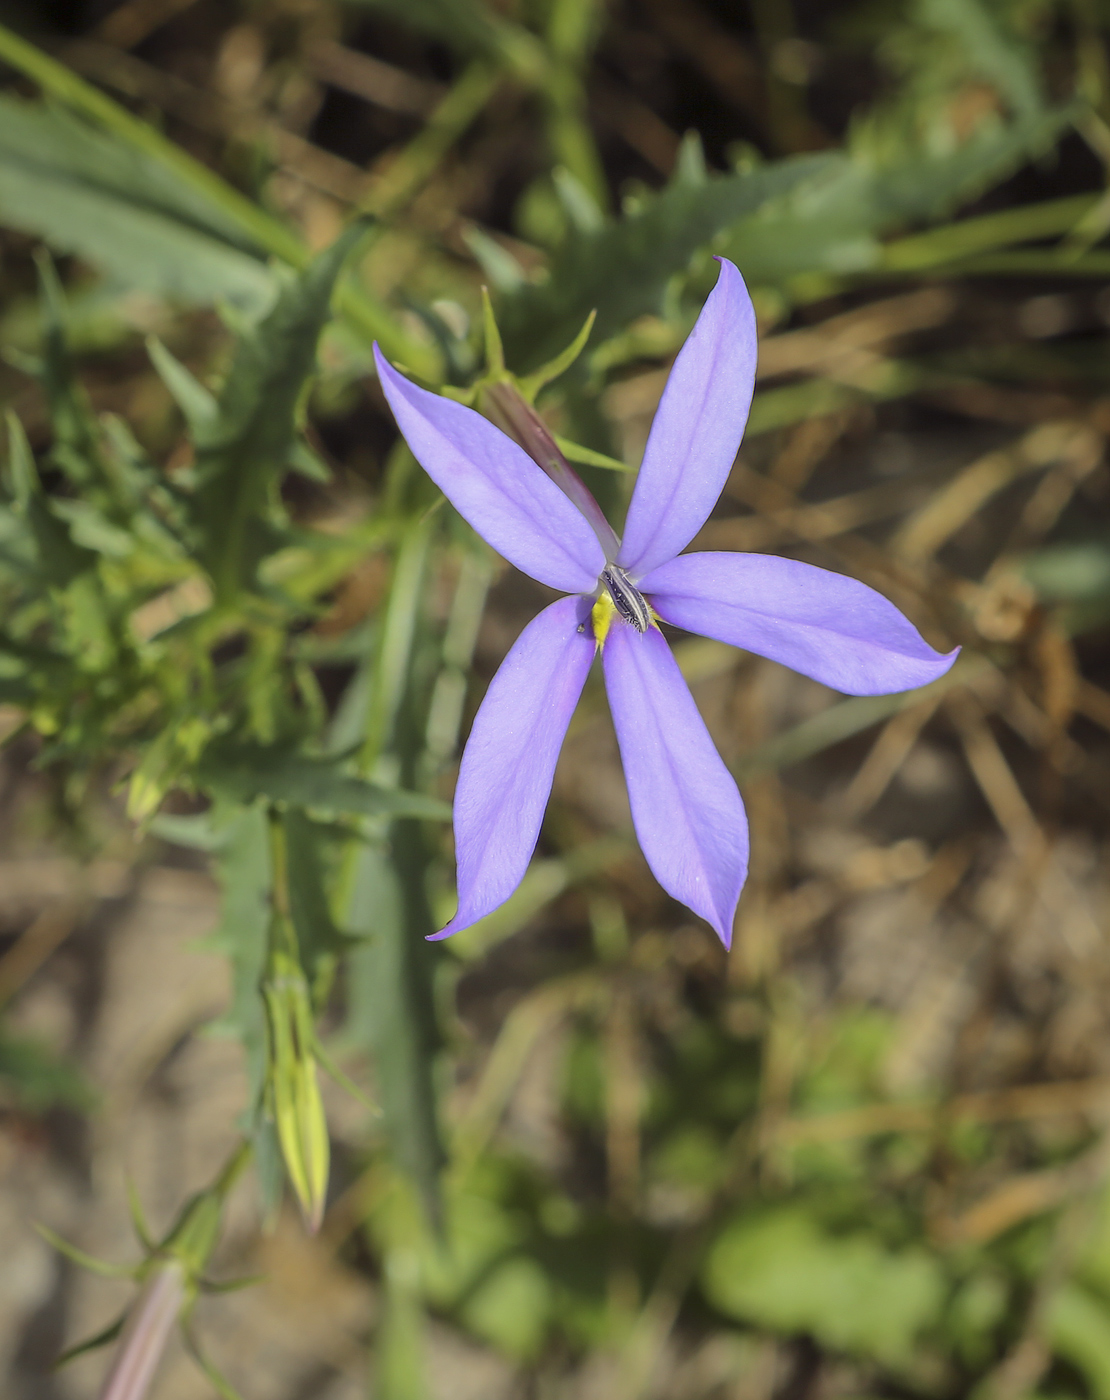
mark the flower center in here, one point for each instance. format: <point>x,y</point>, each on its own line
<point>629,602</point>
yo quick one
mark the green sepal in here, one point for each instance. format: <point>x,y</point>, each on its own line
<point>87,1261</point>
<point>531,384</point>
<point>575,452</point>
<point>219,1382</point>
<point>345,1081</point>
<point>138,1219</point>
<point>232,1285</point>
<point>495,354</point>
<point>101,1339</point>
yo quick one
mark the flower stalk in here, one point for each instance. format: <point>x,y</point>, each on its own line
<point>172,1275</point>
<point>146,1331</point>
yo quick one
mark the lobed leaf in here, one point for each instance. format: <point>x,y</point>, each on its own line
<point>244,772</point>
<point>246,450</point>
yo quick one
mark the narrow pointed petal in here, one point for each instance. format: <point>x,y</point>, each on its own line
<point>509,761</point>
<point>495,485</point>
<point>697,429</point>
<point>824,625</point>
<point>687,812</point>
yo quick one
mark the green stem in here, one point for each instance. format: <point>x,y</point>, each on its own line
<point>398,630</point>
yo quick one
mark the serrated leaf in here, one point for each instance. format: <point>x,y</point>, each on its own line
<point>247,771</point>
<point>247,449</point>
<point>809,214</point>
<point>87,192</point>
<point>831,224</point>
<point>620,269</point>
<point>90,529</point>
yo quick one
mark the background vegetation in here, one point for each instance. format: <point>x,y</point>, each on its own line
<point>577,1150</point>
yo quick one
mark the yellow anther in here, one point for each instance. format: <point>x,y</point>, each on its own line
<point>601,615</point>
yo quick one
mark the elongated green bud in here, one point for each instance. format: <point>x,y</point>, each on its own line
<point>293,1088</point>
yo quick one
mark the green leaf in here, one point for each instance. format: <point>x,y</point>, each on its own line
<point>199,405</point>
<point>21,463</point>
<point>246,451</point>
<point>1078,1327</point>
<point>255,227</point>
<point>815,214</point>
<point>621,269</point>
<point>243,870</point>
<point>138,1217</point>
<point>76,445</point>
<point>1075,574</point>
<point>390,1005</point>
<point>783,1271</point>
<point>970,38</point>
<point>87,192</point>
<point>247,771</point>
<point>830,224</point>
<point>401,1340</point>
<point>512,1308</point>
<point>196,832</point>
<point>319,942</point>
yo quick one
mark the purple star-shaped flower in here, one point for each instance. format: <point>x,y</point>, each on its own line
<point>685,805</point>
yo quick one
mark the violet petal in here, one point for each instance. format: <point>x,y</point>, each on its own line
<point>685,806</point>
<point>495,485</point>
<point>509,761</point>
<point>835,629</point>
<point>697,429</point>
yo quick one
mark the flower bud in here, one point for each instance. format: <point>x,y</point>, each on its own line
<point>292,1087</point>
